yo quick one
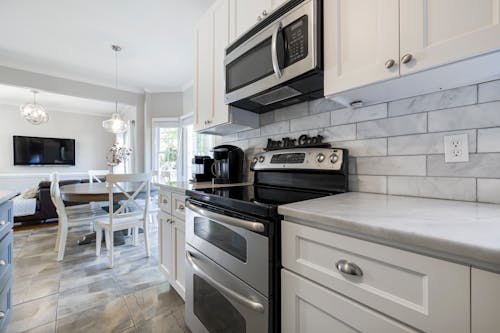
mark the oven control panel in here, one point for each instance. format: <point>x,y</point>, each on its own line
<point>300,159</point>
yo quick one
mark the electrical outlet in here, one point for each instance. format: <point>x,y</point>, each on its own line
<point>456,148</point>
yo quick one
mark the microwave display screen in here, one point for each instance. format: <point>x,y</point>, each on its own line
<point>296,41</point>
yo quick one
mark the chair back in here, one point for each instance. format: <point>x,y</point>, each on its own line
<point>55,196</point>
<point>95,174</point>
<point>127,189</point>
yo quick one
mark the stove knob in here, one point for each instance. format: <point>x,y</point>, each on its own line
<point>320,157</point>
<point>261,159</point>
<point>255,159</point>
<point>334,158</point>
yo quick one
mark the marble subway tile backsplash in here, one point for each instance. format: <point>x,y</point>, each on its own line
<point>398,147</point>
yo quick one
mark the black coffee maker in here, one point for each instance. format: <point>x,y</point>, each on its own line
<point>202,169</point>
<point>228,164</point>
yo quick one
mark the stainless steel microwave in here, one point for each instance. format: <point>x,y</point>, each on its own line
<point>278,62</point>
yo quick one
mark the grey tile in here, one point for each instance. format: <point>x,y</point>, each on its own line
<point>275,128</point>
<point>323,105</point>
<point>348,116</point>
<point>229,138</point>
<point>249,134</point>
<point>109,317</point>
<point>336,133</point>
<point>310,122</point>
<point>411,124</point>
<point>434,187</point>
<point>429,143</point>
<point>257,142</point>
<point>488,140</point>
<point>479,165</point>
<point>32,287</point>
<point>266,118</point>
<point>292,112</point>
<point>164,323</point>
<point>488,190</point>
<point>368,147</point>
<point>391,165</point>
<point>146,304</point>
<point>489,91</point>
<point>47,328</point>
<point>33,314</point>
<point>474,116</point>
<point>371,184</point>
<point>82,298</point>
<point>434,101</point>
<point>140,279</point>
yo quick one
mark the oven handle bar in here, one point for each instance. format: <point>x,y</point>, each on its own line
<point>228,292</point>
<point>274,51</point>
<point>252,226</point>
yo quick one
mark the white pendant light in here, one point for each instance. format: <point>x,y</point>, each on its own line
<point>116,124</point>
<point>34,112</point>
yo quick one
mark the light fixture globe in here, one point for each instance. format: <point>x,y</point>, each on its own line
<point>35,113</point>
<point>115,124</point>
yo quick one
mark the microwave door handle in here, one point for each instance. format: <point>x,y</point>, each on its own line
<point>228,292</point>
<point>251,226</point>
<point>274,51</point>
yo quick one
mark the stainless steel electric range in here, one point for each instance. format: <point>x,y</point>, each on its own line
<point>233,250</point>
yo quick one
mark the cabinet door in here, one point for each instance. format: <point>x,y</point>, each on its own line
<point>437,32</point>
<point>203,81</point>
<point>361,43</point>
<point>165,241</point>
<point>179,249</point>
<point>307,307</point>
<point>220,31</point>
<point>485,301</point>
<point>245,14</point>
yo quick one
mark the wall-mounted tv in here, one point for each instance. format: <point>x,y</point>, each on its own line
<point>43,151</point>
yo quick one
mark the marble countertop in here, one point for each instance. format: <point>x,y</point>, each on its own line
<point>183,186</point>
<point>463,232</point>
<point>6,195</point>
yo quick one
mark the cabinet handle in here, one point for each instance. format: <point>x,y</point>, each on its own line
<point>389,63</point>
<point>2,222</point>
<point>2,262</point>
<point>349,268</point>
<point>406,58</point>
<point>2,315</point>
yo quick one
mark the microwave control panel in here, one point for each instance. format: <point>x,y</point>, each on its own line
<point>296,41</point>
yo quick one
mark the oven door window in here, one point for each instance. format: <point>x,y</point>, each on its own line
<point>214,311</point>
<point>221,237</point>
<point>254,65</point>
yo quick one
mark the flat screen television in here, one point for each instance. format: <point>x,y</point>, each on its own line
<point>43,151</point>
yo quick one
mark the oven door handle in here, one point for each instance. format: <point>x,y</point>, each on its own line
<point>252,226</point>
<point>256,306</point>
<point>274,51</point>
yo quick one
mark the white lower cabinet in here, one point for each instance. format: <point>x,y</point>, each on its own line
<point>485,301</point>
<point>172,241</point>
<point>424,293</point>
<point>308,307</point>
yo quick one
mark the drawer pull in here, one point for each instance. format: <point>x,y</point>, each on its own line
<point>2,222</point>
<point>2,315</point>
<point>349,268</point>
<point>2,262</point>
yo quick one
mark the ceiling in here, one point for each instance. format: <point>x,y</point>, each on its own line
<point>71,39</point>
<point>16,96</point>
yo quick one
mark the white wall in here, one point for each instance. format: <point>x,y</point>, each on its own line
<point>91,143</point>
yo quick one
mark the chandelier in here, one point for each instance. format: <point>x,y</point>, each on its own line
<point>34,112</point>
<point>115,124</point>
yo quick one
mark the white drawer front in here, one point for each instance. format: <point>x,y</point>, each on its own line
<point>308,307</point>
<point>427,293</point>
<point>165,201</point>
<point>178,205</point>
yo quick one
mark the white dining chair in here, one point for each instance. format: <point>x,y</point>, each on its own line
<point>70,216</point>
<point>129,215</point>
<point>95,174</point>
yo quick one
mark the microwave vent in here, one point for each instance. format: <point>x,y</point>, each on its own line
<point>276,95</point>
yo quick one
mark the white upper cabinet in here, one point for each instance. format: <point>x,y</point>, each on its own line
<point>276,3</point>
<point>436,32</point>
<point>248,13</point>
<point>361,43</point>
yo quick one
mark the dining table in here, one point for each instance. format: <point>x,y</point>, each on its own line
<point>99,192</point>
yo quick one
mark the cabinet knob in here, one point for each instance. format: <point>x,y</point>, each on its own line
<point>348,268</point>
<point>181,207</point>
<point>2,262</point>
<point>406,58</point>
<point>390,63</point>
<point>264,13</point>
<point>209,121</point>
<point>2,222</point>
<point>259,18</point>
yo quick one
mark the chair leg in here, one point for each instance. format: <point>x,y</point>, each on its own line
<point>62,243</point>
<point>146,238</point>
<point>98,240</point>
<point>135,235</point>
<point>58,238</point>
<point>110,253</point>
<point>106,238</point>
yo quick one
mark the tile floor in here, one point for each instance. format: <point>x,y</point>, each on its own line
<point>81,294</point>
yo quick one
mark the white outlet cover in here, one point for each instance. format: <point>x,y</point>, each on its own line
<point>456,148</point>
